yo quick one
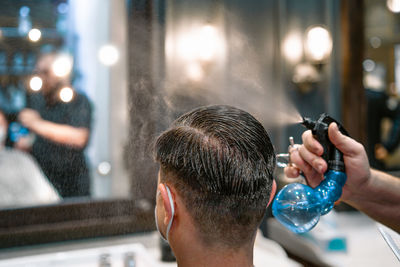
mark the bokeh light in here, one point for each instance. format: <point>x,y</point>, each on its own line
<point>62,65</point>
<point>36,83</point>
<point>104,168</point>
<point>108,55</point>
<point>34,35</point>
<point>195,72</point>
<point>62,8</point>
<point>66,94</point>
<point>368,65</point>
<point>393,5</point>
<point>202,43</point>
<point>318,44</point>
<point>375,42</point>
<point>24,11</point>
<point>293,47</point>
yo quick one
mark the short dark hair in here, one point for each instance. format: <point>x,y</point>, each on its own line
<point>220,160</point>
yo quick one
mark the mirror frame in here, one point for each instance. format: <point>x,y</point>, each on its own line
<point>72,221</point>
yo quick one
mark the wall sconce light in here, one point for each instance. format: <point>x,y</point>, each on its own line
<point>308,55</point>
<point>393,5</point>
<point>198,48</point>
<point>318,46</point>
<point>293,47</point>
<point>200,44</point>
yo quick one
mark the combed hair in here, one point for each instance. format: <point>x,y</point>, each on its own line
<point>220,160</point>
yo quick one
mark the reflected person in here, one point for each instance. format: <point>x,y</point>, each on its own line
<point>214,185</point>
<point>22,183</point>
<point>61,129</point>
<point>381,104</point>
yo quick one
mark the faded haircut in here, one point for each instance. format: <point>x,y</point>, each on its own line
<point>220,160</point>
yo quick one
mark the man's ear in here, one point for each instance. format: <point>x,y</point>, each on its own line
<point>273,191</point>
<point>162,188</point>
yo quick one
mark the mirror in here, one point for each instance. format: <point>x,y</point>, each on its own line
<point>63,97</point>
<point>382,83</point>
<point>96,37</point>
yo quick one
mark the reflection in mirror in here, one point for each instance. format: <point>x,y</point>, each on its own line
<point>382,84</point>
<point>62,132</point>
<point>22,182</point>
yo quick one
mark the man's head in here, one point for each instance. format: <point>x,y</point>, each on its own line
<point>45,69</point>
<point>219,160</point>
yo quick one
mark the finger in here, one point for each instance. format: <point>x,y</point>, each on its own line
<point>298,164</point>
<point>314,178</point>
<point>312,159</point>
<point>291,171</point>
<point>345,144</point>
<point>21,115</point>
<point>311,143</point>
<point>294,148</point>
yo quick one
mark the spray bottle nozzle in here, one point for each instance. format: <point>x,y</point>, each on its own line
<point>308,123</point>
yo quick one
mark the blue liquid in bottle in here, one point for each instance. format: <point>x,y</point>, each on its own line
<point>298,207</point>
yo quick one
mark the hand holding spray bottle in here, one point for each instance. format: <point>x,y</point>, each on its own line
<point>297,206</point>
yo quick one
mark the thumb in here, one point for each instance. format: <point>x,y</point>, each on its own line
<point>345,144</point>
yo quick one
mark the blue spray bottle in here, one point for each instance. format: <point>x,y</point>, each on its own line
<point>297,206</point>
<point>16,131</point>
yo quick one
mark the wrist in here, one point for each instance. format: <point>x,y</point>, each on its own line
<point>361,192</point>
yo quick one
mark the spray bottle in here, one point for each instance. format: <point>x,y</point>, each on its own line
<point>299,207</point>
<point>16,131</point>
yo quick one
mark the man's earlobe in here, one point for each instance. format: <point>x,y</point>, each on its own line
<point>162,188</point>
<point>273,191</point>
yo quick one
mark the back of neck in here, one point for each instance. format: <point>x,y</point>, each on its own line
<point>215,257</point>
